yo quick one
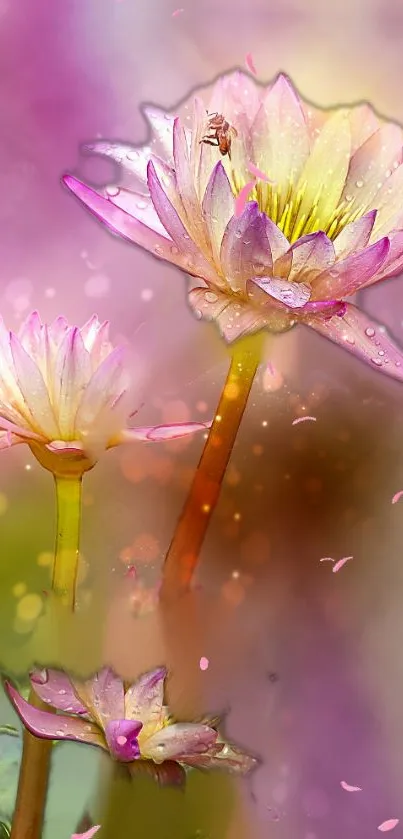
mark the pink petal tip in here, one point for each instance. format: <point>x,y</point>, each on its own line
<point>88,833</point>
<point>303,419</point>
<point>397,496</point>
<point>203,663</point>
<point>250,63</point>
<point>242,198</point>
<point>340,563</point>
<point>388,825</point>
<point>261,176</point>
<point>349,787</point>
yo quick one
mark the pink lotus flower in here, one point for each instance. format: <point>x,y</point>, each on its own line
<point>133,724</point>
<point>323,221</point>
<point>66,392</point>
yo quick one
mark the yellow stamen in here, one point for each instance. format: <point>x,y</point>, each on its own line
<point>283,204</point>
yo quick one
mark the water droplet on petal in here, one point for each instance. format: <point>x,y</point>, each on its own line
<point>377,361</point>
<point>359,184</point>
<point>210,297</point>
<point>112,191</point>
<point>198,314</point>
<point>370,332</point>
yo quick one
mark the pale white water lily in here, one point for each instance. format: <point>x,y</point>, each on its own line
<point>67,392</point>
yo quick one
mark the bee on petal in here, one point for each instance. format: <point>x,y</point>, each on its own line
<point>219,133</point>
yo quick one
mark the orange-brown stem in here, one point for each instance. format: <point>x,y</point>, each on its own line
<point>32,783</point>
<point>183,553</point>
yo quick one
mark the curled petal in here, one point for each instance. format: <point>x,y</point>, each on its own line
<point>53,726</point>
<point>358,334</point>
<point>171,742</point>
<point>293,295</point>
<point>145,698</point>
<point>121,737</point>
<point>56,689</point>
<point>161,433</point>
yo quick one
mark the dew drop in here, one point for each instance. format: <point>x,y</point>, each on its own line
<point>370,332</point>
<point>112,191</point>
<point>398,363</point>
<point>359,184</point>
<point>377,361</point>
<point>62,692</point>
<point>198,314</point>
<point>59,732</point>
<point>381,352</point>
<point>174,250</point>
<point>210,297</point>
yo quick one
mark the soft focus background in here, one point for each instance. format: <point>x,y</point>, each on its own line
<point>308,663</point>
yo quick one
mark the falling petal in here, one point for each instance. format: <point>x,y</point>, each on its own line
<point>261,176</point>
<point>340,563</point>
<point>88,833</point>
<point>242,198</point>
<point>388,825</point>
<point>349,788</point>
<point>203,663</point>
<point>250,63</point>
<point>397,496</point>
<point>326,559</point>
<point>303,419</point>
<point>177,12</point>
<point>131,572</point>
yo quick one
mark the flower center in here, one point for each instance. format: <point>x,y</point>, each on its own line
<point>283,208</point>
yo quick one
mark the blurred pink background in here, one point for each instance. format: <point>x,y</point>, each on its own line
<point>309,662</point>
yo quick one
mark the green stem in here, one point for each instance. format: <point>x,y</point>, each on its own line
<point>36,754</point>
<point>65,568</point>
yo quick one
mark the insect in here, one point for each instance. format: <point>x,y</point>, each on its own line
<point>219,133</point>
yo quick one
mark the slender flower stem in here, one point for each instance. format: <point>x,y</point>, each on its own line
<point>183,553</point>
<point>36,754</point>
<point>65,568</point>
<point>32,783</point>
